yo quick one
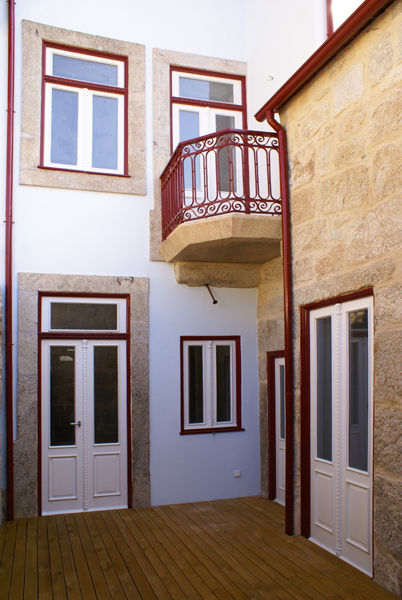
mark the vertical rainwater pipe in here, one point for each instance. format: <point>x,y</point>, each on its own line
<point>287,298</point>
<point>8,314</point>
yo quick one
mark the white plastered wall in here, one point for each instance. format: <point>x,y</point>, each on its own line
<point>67,231</point>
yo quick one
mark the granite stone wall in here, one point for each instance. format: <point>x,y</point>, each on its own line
<point>344,141</point>
<point>26,445</point>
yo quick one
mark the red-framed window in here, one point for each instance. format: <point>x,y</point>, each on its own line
<point>84,110</point>
<point>210,384</point>
<point>338,11</point>
<point>203,102</point>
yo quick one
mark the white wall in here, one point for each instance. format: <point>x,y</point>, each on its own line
<point>64,231</point>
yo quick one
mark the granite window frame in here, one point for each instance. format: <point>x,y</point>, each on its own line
<point>32,172</point>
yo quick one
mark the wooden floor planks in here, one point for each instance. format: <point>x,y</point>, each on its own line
<point>227,549</point>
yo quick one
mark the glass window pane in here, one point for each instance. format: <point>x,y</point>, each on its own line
<point>84,70</point>
<point>223,383</point>
<point>282,399</point>
<point>64,127</point>
<point>216,91</point>
<point>324,389</point>
<point>76,315</point>
<point>358,389</point>
<point>62,395</point>
<point>189,127</point>
<point>226,156</point>
<point>104,133</point>
<point>106,395</point>
<point>195,385</point>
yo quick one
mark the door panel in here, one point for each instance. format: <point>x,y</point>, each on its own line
<point>84,425</point>
<point>341,430</point>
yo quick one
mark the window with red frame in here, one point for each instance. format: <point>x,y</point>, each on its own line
<point>211,380</point>
<point>84,110</point>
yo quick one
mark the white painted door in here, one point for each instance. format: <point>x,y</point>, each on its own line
<point>280,453</point>
<point>84,425</point>
<point>341,430</point>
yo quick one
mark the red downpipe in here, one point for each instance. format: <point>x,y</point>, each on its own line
<point>287,296</point>
<point>9,262</point>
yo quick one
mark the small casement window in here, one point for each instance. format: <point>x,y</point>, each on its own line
<point>210,384</point>
<point>83,314</point>
<point>84,107</point>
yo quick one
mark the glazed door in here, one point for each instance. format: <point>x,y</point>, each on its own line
<point>280,429</point>
<point>84,425</point>
<point>341,430</point>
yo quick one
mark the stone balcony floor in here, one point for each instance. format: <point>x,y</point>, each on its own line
<point>212,550</point>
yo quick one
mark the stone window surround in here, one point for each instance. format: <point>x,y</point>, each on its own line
<point>26,445</point>
<point>33,35</point>
<point>162,60</point>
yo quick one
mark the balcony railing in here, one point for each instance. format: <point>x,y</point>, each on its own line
<point>230,171</point>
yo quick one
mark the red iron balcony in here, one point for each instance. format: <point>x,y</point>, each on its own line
<point>230,171</point>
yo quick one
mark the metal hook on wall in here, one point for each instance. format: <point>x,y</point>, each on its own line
<point>214,300</point>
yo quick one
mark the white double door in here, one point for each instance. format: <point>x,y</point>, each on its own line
<point>341,430</point>
<point>84,425</point>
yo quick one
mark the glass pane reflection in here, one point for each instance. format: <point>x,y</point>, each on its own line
<point>62,395</point>
<point>358,389</point>
<point>324,389</point>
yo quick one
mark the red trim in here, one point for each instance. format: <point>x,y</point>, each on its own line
<point>81,50</point>
<point>9,262</point>
<point>329,16</point>
<point>340,38</point>
<point>305,434</point>
<point>123,91</point>
<point>90,336</point>
<point>194,102</point>
<point>231,338</point>
<point>42,166</point>
<point>271,421</point>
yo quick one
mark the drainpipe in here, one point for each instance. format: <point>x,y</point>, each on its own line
<point>287,296</point>
<point>8,316</point>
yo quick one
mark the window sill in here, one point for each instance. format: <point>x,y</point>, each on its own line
<point>86,172</point>
<point>211,430</point>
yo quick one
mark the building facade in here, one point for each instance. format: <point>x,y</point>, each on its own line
<point>147,270</point>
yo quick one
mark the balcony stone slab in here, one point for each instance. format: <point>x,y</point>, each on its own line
<point>232,238</point>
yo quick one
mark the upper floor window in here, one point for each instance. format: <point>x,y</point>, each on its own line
<point>84,106</point>
<point>203,102</point>
<point>338,11</point>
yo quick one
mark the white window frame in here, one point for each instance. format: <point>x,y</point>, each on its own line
<point>86,92</point>
<point>47,301</point>
<point>210,422</point>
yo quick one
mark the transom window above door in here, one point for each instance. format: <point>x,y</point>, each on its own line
<point>204,102</point>
<point>83,314</point>
<point>84,105</point>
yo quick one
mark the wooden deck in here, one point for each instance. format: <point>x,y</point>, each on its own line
<point>225,549</point>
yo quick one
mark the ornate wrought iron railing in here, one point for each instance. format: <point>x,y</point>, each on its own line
<point>230,171</point>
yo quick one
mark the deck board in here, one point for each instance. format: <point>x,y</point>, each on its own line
<point>222,550</point>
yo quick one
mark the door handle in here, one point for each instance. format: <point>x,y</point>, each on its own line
<point>78,423</point>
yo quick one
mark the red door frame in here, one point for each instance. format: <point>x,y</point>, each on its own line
<point>305,457</point>
<point>77,336</point>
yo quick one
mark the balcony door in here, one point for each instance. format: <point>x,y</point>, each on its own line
<point>204,104</point>
<point>341,354</point>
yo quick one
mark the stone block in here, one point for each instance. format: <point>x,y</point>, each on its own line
<point>345,190</point>
<point>387,570</point>
<point>388,306</point>
<point>348,88</point>
<point>387,372</point>
<point>351,123</point>
<point>380,61</point>
<point>314,120</point>
<point>386,166</point>
<point>302,205</point>
<point>350,152</point>
<point>388,514</point>
<point>302,167</point>
<point>309,236</point>
<point>388,439</point>
<point>386,118</point>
